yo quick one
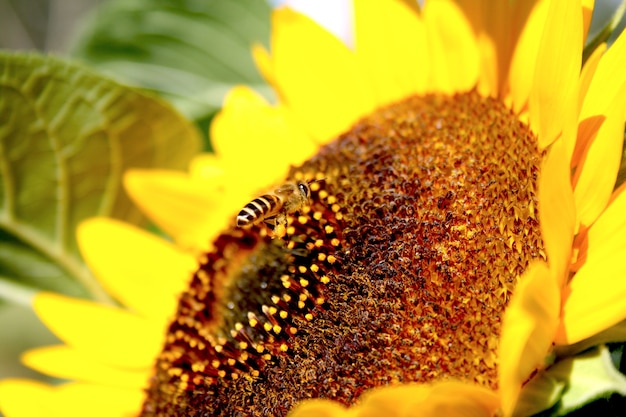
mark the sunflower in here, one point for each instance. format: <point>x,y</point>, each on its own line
<point>462,232</point>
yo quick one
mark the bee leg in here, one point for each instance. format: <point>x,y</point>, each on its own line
<point>280,226</point>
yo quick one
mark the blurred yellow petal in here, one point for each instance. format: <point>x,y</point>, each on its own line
<point>606,90</point>
<point>321,408</point>
<point>394,401</point>
<point>587,6</point>
<point>596,297</point>
<point>68,363</point>
<point>437,399</point>
<point>594,179</point>
<point>453,51</point>
<point>524,61</point>
<point>455,399</point>
<point>557,212</point>
<point>497,26</point>
<point>148,273</point>
<point>264,63</point>
<point>260,142</point>
<point>554,93</point>
<point>393,73</point>
<point>608,81</point>
<point>188,210</point>
<point>78,399</point>
<point>448,399</point>
<point>115,336</point>
<point>25,398</point>
<point>325,98</point>
<point>586,75</point>
<point>489,75</point>
<point>528,327</point>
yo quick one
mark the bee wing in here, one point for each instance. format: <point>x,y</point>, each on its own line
<point>285,190</point>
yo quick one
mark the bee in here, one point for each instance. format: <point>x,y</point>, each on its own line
<point>273,208</point>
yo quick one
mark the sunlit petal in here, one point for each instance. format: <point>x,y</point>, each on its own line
<point>554,94</point>
<point>606,90</point>
<point>258,141</point>
<point>524,61</point>
<point>68,363</point>
<point>326,99</point>
<point>590,307</point>
<point>393,59</point>
<point>189,210</point>
<point>528,327</point>
<point>596,172</point>
<point>149,272</point>
<point>557,213</point>
<point>114,335</point>
<point>453,51</point>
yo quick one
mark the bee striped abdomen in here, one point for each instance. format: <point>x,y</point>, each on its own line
<point>258,209</point>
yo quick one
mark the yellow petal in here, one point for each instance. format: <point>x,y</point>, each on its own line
<point>596,172</point>
<point>497,26</point>
<point>448,399</point>
<point>488,83</point>
<point>393,59</point>
<point>318,76</point>
<point>554,94</point>
<point>529,324</point>
<point>438,399</point>
<point>68,363</point>
<point>588,6</point>
<point>264,63</point>
<point>148,272</point>
<point>556,209</point>
<point>188,210</point>
<point>258,141</point>
<point>587,74</point>
<point>21,398</point>
<point>321,408</point>
<point>25,398</point>
<point>524,61</point>
<point>455,399</point>
<point>606,90</point>
<point>597,293</point>
<point>113,335</point>
<point>394,401</point>
<point>453,51</point>
<point>78,400</point>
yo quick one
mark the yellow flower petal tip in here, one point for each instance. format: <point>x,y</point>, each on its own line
<point>187,208</point>
<point>320,408</point>
<point>445,398</point>
<point>529,326</point>
<point>21,398</point>
<point>150,273</point>
<point>114,335</point>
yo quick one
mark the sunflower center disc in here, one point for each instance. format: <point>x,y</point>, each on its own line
<point>399,271</point>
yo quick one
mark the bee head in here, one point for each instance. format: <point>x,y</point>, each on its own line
<point>304,189</point>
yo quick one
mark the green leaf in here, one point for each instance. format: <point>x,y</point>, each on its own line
<point>190,52</point>
<point>66,137</point>
<point>571,384</point>
<point>590,376</point>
